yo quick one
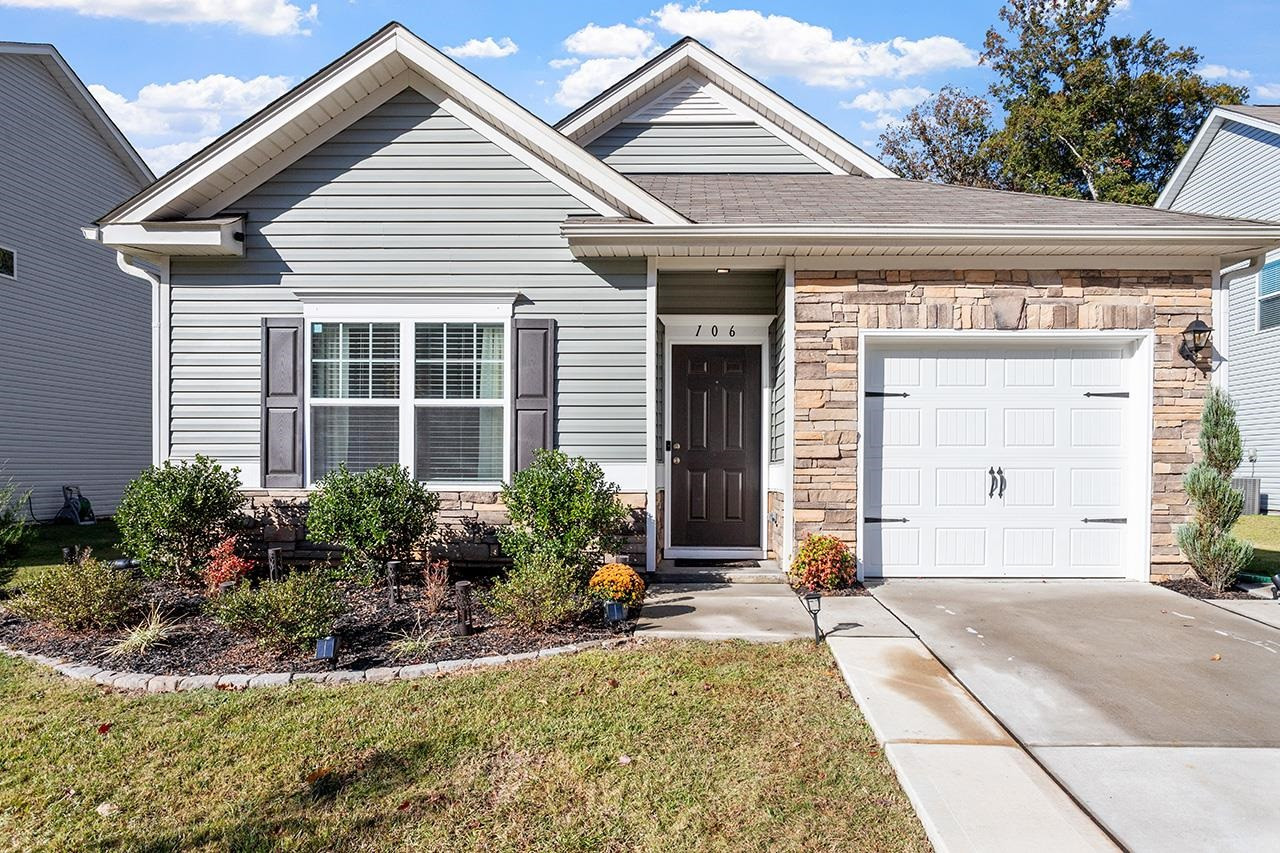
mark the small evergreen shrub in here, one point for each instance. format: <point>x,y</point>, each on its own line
<point>1215,555</point>
<point>823,562</point>
<point>172,515</point>
<point>562,508</point>
<point>376,515</point>
<point>540,591</point>
<point>616,582</point>
<point>84,594</point>
<point>15,533</point>
<point>291,613</point>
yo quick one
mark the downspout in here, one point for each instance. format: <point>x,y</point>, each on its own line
<point>1222,313</point>
<point>128,265</point>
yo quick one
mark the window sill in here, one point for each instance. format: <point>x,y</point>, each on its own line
<point>463,486</point>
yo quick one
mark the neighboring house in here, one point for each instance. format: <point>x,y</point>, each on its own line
<point>753,326</point>
<point>75,331</point>
<point>1233,169</point>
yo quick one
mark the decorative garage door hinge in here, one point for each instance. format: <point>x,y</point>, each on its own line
<point>1105,520</point>
<point>1106,393</point>
<point>873,520</point>
<point>888,394</point>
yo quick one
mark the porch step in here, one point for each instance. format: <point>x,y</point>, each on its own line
<point>710,571</point>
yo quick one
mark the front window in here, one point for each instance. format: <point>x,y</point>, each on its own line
<point>8,263</point>
<point>1269,296</point>
<point>429,396</point>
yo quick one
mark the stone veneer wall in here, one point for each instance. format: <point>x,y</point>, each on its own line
<point>831,308</point>
<point>466,526</point>
<point>777,509</point>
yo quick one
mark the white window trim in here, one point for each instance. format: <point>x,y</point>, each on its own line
<point>407,316</point>
<point>13,252</point>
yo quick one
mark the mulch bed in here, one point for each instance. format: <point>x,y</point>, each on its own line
<point>856,590</point>
<point>367,629</point>
<point>1194,588</point>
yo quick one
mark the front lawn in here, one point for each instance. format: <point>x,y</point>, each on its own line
<point>1264,532</point>
<point>661,747</point>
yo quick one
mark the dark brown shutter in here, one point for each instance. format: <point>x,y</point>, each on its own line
<point>283,376</point>
<point>535,391</point>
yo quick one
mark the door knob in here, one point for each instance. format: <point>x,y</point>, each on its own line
<point>675,460</point>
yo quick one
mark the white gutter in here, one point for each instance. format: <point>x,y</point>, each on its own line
<point>128,264</point>
<point>1221,314</point>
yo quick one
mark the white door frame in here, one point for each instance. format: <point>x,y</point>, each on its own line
<point>1143,359</point>
<point>747,329</point>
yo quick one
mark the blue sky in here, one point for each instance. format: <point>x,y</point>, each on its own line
<point>176,73</point>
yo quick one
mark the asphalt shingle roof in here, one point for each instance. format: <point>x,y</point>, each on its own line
<point>1266,112</point>
<point>855,200</point>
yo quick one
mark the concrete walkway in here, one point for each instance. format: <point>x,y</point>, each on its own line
<point>1158,713</point>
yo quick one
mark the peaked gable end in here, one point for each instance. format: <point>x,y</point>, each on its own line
<point>1232,175</point>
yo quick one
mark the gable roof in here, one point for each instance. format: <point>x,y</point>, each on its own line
<point>690,57</point>
<point>1262,116</point>
<point>53,62</point>
<point>334,97</point>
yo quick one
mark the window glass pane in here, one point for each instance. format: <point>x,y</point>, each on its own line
<point>361,436</point>
<point>1269,279</point>
<point>459,361</point>
<point>355,360</point>
<point>6,262</point>
<point>458,443</point>
<point>1269,313</point>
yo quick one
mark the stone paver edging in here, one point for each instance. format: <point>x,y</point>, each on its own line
<point>149,683</point>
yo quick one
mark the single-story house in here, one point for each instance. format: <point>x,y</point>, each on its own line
<point>1232,168</point>
<point>750,323</point>
<point>75,330</point>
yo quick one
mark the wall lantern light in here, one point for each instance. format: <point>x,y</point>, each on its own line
<point>813,603</point>
<point>1196,338</point>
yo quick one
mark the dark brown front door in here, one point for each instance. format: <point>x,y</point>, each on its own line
<point>715,446</point>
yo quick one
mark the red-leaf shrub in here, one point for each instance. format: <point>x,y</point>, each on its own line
<point>225,564</point>
<point>823,562</point>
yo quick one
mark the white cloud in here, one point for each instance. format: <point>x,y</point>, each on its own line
<point>1222,72</point>
<point>617,40</point>
<point>776,45</point>
<point>485,48</point>
<point>876,101</point>
<point>567,62</point>
<point>592,76</point>
<point>264,17</point>
<point>169,121</point>
<point>880,122</point>
<point>1267,90</point>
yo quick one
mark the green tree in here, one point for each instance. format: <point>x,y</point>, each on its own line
<point>1088,114</point>
<point>944,139</point>
<point>1213,552</point>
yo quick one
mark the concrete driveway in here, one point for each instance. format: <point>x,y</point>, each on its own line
<point>1158,713</point>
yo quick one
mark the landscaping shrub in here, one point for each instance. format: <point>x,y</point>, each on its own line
<point>435,585</point>
<point>152,632</point>
<point>225,564</point>
<point>823,562</point>
<point>294,612</point>
<point>172,515</point>
<point>540,591</point>
<point>616,582</point>
<point>84,594</point>
<point>1215,555</point>
<point>15,533</point>
<point>376,515</point>
<point>563,509</point>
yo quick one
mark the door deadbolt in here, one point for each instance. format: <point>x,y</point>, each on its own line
<point>677,445</point>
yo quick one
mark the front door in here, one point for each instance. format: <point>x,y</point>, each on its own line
<point>715,476</point>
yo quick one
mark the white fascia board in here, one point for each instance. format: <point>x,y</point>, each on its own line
<point>218,237</point>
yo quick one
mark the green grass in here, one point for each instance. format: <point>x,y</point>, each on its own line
<point>1264,532</point>
<point>46,549</point>
<point>732,746</point>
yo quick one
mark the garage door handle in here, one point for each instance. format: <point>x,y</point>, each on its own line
<point>1106,393</point>
<point>992,472</point>
<point>870,519</point>
<point>1000,474</point>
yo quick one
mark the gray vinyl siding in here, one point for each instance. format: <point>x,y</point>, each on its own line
<point>685,148</point>
<point>408,195</point>
<point>778,358</point>
<point>1238,175</point>
<point>75,332</point>
<point>1253,367</point>
<point>716,293</point>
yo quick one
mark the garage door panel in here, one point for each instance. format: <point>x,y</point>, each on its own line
<point>1095,550</point>
<point>960,427</point>
<point>1031,487</point>
<point>960,487</point>
<point>1097,427</point>
<point>890,490</point>
<point>1028,551</point>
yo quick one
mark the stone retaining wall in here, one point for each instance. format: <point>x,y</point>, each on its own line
<point>832,307</point>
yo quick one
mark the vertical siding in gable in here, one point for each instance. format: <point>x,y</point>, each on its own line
<point>1238,175</point>
<point>75,332</point>
<point>634,148</point>
<point>409,195</point>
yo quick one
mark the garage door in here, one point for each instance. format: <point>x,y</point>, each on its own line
<point>1000,461</point>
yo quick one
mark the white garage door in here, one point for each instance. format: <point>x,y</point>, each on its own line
<point>1002,461</point>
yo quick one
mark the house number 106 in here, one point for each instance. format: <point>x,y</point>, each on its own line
<point>715,332</point>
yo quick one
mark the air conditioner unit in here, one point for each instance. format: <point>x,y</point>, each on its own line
<point>1251,488</point>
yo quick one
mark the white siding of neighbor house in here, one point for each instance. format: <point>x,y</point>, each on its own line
<point>408,195</point>
<point>75,332</point>
<point>1239,175</point>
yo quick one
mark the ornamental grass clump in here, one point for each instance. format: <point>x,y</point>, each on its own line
<point>618,583</point>
<point>1215,555</point>
<point>823,562</point>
